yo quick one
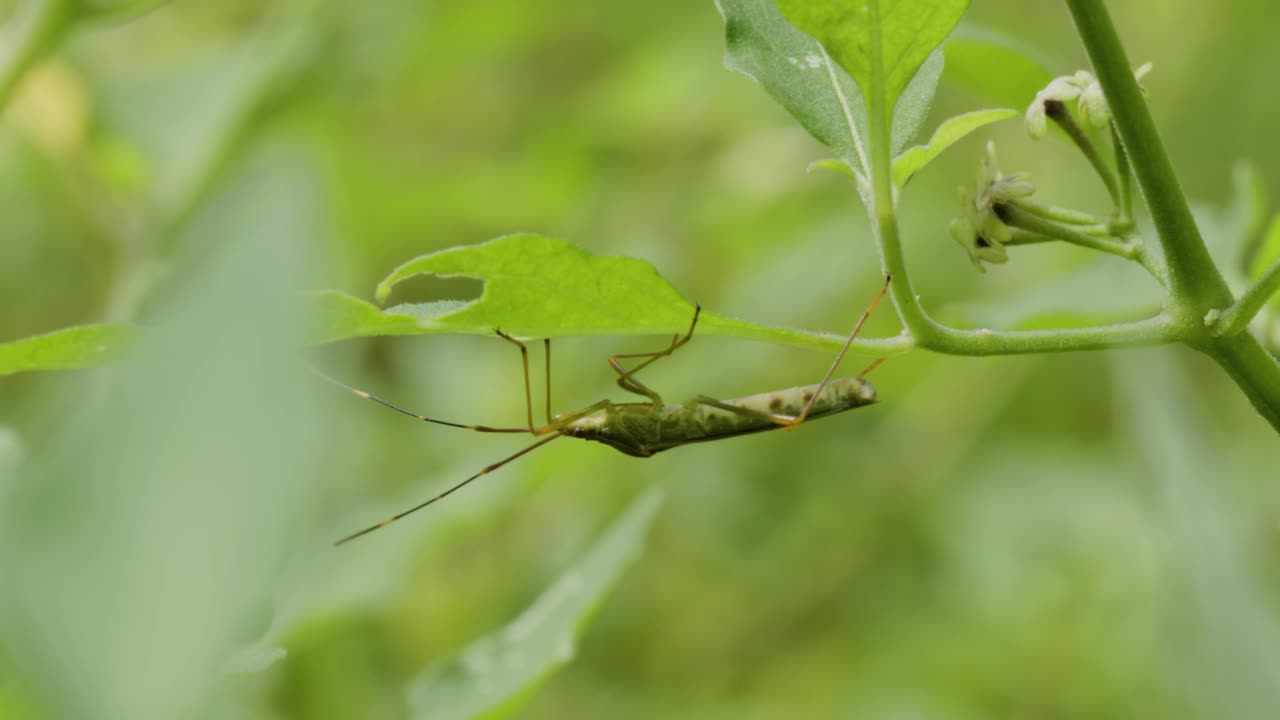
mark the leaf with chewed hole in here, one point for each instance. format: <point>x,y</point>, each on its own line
<point>536,286</point>
<point>496,675</point>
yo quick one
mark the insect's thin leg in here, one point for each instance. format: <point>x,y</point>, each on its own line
<point>870,367</point>
<point>847,343</point>
<point>524,362</point>
<point>627,380</point>
<point>448,492</point>
<point>367,396</point>
<point>546,342</point>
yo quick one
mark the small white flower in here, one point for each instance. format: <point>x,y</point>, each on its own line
<point>1082,86</point>
<point>1062,89</point>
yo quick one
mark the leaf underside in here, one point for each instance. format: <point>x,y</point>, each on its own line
<point>904,31</point>
<point>541,287</point>
<point>795,70</point>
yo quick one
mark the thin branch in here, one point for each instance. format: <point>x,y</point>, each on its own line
<point>1237,317</point>
<point>1058,112</point>
<point>1014,215</point>
<point>1060,214</point>
<point>1125,174</point>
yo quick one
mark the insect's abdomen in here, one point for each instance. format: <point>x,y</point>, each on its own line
<point>839,395</point>
<point>694,422</point>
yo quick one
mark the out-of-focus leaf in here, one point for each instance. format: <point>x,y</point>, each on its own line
<point>254,659</point>
<point>1106,290</point>
<point>187,118</point>
<point>82,346</point>
<point>117,10</point>
<point>142,547</point>
<point>796,72</point>
<point>908,30</point>
<point>948,133</point>
<point>1229,642</point>
<point>32,28</point>
<point>11,454</point>
<point>1250,202</point>
<point>538,286</point>
<point>996,66</point>
<point>1268,253</point>
<point>16,703</point>
<point>1232,232</point>
<point>496,675</point>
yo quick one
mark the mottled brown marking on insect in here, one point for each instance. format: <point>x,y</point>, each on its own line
<point>808,395</point>
<point>775,403</point>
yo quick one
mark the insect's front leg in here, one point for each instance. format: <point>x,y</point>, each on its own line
<point>627,380</point>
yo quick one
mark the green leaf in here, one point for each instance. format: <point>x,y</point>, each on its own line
<point>184,477</point>
<point>838,167</point>
<point>496,675</point>
<point>533,278</point>
<point>947,134</point>
<point>336,315</point>
<point>913,107</point>
<point>905,31</point>
<point>12,453</point>
<point>83,346</point>
<point>1233,232</point>
<point>1103,291</point>
<point>117,11</point>
<point>797,73</point>
<point>538,286</point>
<point>995,66</point>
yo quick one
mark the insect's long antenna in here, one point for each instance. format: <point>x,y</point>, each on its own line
<point>847,344</point>
<point>448,492</point>
<point>367,396</point>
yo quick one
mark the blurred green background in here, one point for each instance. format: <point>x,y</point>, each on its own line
<point>1073,536</point>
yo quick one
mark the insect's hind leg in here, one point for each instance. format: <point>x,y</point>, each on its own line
<point>627,380</point>
<point>780,419</point>
<point>795,422</point>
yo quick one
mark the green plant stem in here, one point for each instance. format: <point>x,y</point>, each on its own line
<point>1060,214</point>
<point>931,334</point>
<point>1018,236</point>
<point>1237,317</point>
<point>1058,112</point>
<point>1014,215</point>
<point>1192,274</point>
<point>1195,284</point>
<point>1125,174</point>
<point>35,28</point>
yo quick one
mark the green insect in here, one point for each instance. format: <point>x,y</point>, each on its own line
<point>642,429</point>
